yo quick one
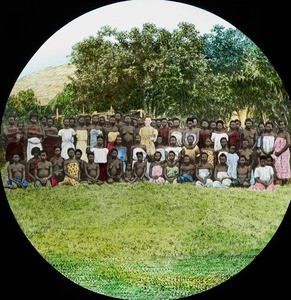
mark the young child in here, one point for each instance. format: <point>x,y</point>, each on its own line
<point>156,171</point>
<point>171,168</point>
<point>31,164</point>
<point>122,151</point>
<point>243,173</point>
<point>221,176</point>
<point>92,170</point>
<point>114,167</point>
<point>139,168</point>
<point>16,174</point>
<point>210,151</point>
<point>270,162</point>
<point>58,167</point>
<point>128,175</point>
<point>187,171</point>
<point>82,163</point>
<point>43,171</point>
<point>101,157</point>
<point>204,171</point>
<point>231,161</point>
<point>264,176</point>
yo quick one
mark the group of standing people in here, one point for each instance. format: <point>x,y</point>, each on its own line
<point>91,149</point>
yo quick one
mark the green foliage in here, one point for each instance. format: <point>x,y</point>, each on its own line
<point>148,241</point>
<point>225,48</point>
<point>22,105</point>
<point>65,103</point>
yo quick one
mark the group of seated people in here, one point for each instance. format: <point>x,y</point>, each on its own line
<point>158,152</point>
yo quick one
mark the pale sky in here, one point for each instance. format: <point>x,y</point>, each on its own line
<point>123,16</point>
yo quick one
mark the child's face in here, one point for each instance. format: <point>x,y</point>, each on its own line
<point>91,158</point>
<point>118,141</point>
<point>223,142</point>
<point>129,167</point>
<point>204,157</point>
<point>157,157</point>
<point>114,154</point>
<point>190,140</point>
<point>77,155</point>
<point>242,160</point>
<point>16,158</point>
<point>57,151</point>
<point>263,162</point>
<point>173,141</point>
<point>43,156</point>
<point>186,160</point>
<point>245,144</point>
<point>171,156</point>
<point>139,157</point>
<point>207,142</point>
<point>232,149</point>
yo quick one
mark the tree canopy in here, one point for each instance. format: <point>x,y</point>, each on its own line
<point>173,73</point>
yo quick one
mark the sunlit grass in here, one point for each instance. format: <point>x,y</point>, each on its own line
<point>147,241</point>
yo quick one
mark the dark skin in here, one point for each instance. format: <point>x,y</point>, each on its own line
<point>263,163</point>
<point>16,170</point>
<point>187,167</point>
<point>114,168</point>
<point>285,135</point>
<point>30,162</point>
<point>43,171</point>
<point>128,175</point>
<point>57,163</point>
<point>92,171</point>
<point>157,161</point>
<point>170,162</point>
<point>221,167</point>
<point>33,130</point>
<point>192,129</point>
<point>204,164</point>
<point>243,172</point>
<point>250,134</point>
<point>139,168</point>
<point>71,159</point>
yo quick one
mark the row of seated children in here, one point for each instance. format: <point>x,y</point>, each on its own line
<point>58,171</point>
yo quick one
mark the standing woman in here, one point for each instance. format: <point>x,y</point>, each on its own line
<point>33,136</point>
<point>67,135</point>
<point>268,139</point>
<point>82,137</point>
<point>281,154</point>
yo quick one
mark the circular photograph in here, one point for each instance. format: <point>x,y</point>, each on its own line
<point>145,150</point>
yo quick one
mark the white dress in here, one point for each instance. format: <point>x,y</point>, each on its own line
<point>67,136</point>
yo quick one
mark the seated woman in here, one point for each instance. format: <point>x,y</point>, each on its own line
<point>71,169</point>
<point>264,176</point>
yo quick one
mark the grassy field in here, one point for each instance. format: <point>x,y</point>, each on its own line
<point>147,241</point>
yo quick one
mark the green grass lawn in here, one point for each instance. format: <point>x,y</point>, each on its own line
<point>147,241</point>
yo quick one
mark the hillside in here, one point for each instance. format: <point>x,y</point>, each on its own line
<point>46,83</point>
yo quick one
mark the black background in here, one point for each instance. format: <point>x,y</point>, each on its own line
<point>25,26</point>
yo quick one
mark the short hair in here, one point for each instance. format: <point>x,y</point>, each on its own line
<point>79,151</point>
<point>263,157</point>
<point>35,150</point>
<point>90,153</point>
<point>71,149</point>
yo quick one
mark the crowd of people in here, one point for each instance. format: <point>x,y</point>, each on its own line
<point>95,150</point>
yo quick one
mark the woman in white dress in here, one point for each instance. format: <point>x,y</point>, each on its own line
<point>67,135</point>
